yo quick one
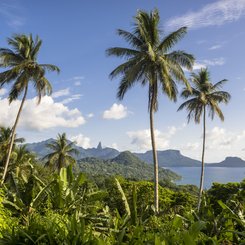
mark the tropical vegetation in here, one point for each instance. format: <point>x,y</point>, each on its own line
<point>58,200</point>
<point>43,207</point>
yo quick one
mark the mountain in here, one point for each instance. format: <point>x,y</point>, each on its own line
<point>41,150</point>
<point>99,152</point>
<point>126,164</point>
<point>169,158</point>
<point>234,162</point>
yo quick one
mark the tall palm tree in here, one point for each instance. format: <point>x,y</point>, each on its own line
<point>22,68</point>
<point>203,97</point>
<point>62,153</point>
<point>150,62</point>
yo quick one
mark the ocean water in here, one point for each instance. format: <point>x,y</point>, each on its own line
<point>191,175</point>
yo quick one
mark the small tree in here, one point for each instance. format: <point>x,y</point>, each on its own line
<point>62,153</point>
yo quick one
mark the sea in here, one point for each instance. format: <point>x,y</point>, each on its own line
<point>191,175</point>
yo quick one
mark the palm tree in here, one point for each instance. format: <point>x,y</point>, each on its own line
<point>5,135</point>
<point>203,97</point>
<point>150,62</point>
<point>62,151</point>
<point>23,68</point>
<point>22,163</point>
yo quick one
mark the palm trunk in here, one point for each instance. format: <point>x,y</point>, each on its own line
<point>202,171</point>
<point>154,152</point>
<point>12,137</point>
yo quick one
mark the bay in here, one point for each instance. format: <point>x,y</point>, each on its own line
<point>191,175</point>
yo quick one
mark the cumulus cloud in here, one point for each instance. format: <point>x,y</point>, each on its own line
<point>142,138</point>
<point>48,114</point>
<point>60,93</point>
<point>220,138</point>
<point>213,14</point>
<point>81,140</point>
<point>116,112</point>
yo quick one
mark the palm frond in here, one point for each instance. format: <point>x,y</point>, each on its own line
<point>204,95</point>
<point>169,41</point>
<point>219,84</point>
<point>122,52</point>
<point>182,58</point>
<point>132,39</point>
<point>50,67</point>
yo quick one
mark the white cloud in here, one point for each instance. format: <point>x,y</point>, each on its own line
<point>74,79</point>
<point>220,138</point>
<point>70,99</point>
<point>213,14</point>
<point>214,62</point>
<point>90,115</point>
<point>3,91</point>
<point>204,63</point>
<point>114,146</point>
<point>77,78</point>
<point>65,92</point>
<point>48,114</point>
<point>60,93</point>
<point>81,140</point>
<point>198,66</point>
<point>116,112</point>
<point>214,47</point>
<point>142,138</point>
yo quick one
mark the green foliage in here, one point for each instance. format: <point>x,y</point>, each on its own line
<point>61,153</point>
<point>6,220</point>
<point>69,209</point>
<point>126,165</point>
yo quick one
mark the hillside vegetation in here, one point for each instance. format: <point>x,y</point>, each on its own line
<point>125,164</point>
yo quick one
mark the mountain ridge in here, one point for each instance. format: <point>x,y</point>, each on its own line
<point>166,158</point>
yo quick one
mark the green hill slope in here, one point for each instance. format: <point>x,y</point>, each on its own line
<point>125,164</point>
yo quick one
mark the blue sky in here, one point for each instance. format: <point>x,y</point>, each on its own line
<point>75,36</point>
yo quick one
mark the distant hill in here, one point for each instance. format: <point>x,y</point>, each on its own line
<point>169,158</point>
<point>234,162</point>
<point>41,150</point>
<point>125,164</point>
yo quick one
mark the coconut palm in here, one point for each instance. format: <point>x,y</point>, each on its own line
<point>150,62</point>
<point>5,136</point>
<point>62,153</point>
<point>22,68</point>
<point>204,97</point>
